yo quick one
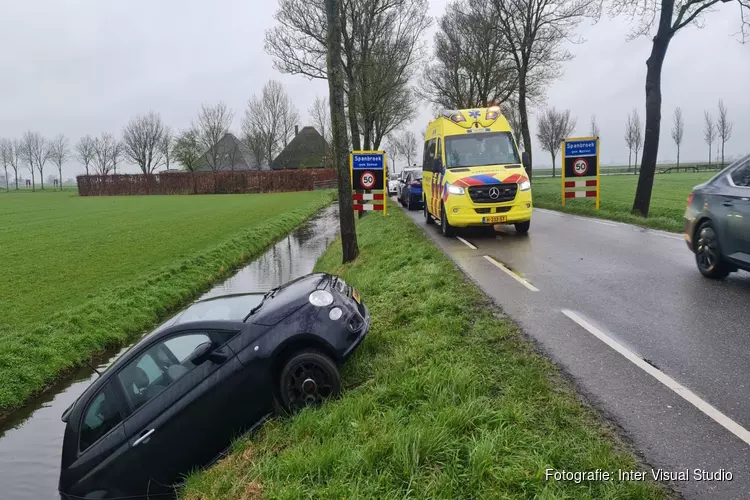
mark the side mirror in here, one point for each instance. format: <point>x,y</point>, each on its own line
<point>525,160</point>
<point>201,353</point>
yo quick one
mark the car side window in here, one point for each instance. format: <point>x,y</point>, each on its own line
<point>158,367</point>
<point>741,175</point>
<point>101,416</point>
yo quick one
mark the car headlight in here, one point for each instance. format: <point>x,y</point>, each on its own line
<point>453,189</point>
<point>335,313</point>
<point>524,186</point>
<point>321,298</point>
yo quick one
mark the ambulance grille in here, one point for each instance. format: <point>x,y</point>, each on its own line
<point>481,194</point>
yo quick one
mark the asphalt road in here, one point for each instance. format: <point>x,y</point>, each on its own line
<point>663,352</point>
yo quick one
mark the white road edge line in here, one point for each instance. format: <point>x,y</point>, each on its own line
<point>551,212</point>
<point>667,236</point>
<point>466,243</point>
<point>511,274</point>
<point>682,391</point>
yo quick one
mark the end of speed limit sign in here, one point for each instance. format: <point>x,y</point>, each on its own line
<point>367,179</point>
<point>580,166</point>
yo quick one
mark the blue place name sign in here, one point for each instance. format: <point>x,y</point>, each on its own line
<point>367,161</point>
<point>580,148</point>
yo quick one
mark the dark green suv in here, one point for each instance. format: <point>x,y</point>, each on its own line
<point>717,221</point>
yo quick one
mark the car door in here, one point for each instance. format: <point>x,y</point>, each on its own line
<point>178,403</point>
<point>736,200</point>
<point>403,187</point>
<point>97,459</point>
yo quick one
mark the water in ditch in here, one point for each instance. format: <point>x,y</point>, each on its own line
<point>31,439</point>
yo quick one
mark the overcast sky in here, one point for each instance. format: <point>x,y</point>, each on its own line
<point>87,66</point>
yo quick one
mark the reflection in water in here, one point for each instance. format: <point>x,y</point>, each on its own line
<point>31,439</point>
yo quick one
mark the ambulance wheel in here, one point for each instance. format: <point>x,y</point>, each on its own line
<point>445,226</point>
<point>523,227</point>
<point>427,215</point>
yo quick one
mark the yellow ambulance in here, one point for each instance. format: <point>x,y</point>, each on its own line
<point>472,172</point>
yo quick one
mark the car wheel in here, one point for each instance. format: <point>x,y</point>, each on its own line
<point>523,227</point>
<point>307,379</point>
<point>427,215</point>
<point>445,226</point>
<point>708,253</point>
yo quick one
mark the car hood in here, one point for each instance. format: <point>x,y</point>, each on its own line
<point>289,298</point>
<point>480,176</point>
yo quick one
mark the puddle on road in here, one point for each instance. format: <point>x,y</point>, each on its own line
<point>31,439</point>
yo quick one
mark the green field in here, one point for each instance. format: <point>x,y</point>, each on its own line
<point>445,398</point>
<point>83,274</point>
<point>668,198</point>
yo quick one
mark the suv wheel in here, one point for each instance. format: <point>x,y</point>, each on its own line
<point>708,256</point>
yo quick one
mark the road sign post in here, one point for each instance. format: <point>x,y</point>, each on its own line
<point>580,168</point>
<point>368,173</point>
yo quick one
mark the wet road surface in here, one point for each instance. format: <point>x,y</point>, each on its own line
<point>31,439</point>
<point>626,314</point>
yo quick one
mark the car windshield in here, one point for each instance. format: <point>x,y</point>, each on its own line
<point>232,308</point>
<point>476,150</point>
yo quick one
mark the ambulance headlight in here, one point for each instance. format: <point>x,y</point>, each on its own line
<point>453,189</point>
<point>524,186</point>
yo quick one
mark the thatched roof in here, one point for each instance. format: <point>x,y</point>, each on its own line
<point>308,149</point>
<point>231,150</point>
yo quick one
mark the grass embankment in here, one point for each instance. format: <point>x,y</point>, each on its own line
<point>84,274</point>
<point>668,199</point>
<point>444,399</point>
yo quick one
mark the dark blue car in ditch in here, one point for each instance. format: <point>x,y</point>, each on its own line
<point>410,194</point>
<point>176,400</point>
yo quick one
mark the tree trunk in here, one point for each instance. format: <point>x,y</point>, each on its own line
<point>678,156</point>
<point>349,247</point>
<point>523,112</point>
<point>630,159</point>
<point>353,120</point>
<point>16,171</point>
<point>59,170</point>
<point>635,166</point>
<point>553,165</point>
<point>709,154</point>
<point>654,65</point>
<point>41,177</point>
<point>33,182</point>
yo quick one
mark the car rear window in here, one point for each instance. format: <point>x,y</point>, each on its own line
<point>234,308</point>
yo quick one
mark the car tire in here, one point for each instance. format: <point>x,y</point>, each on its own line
<point>523,227</point>
<point>445,226</point>
<point>708,255</point>
<point>427,215</point>
<point>307,379</point>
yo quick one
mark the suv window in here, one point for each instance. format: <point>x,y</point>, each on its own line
<point>101,416</point>
<point>741,175</point>
<point>158,367</point>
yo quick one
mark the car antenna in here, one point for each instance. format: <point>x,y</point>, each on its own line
<point>92,367</point>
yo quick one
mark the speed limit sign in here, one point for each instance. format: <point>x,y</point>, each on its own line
<point>367,179</point>
<point>580,166</point>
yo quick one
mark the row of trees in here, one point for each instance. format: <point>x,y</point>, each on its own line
<point>34,152</point>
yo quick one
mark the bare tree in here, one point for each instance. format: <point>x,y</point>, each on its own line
<point>271,117</point>
<point>118,149</point>
<point>535,33</point>
<point>335,73</point>
<point>723,128</point>
<point>15,158</point>
<point>510,111</point>
<point>554,126</point>
<point>211,126</point>
<point>85,151</point>
<point>380,43</point>
<point>408,144</point>
<point>637,137</point>
<point>666,17</point>
<point>709,132</point>
<point>6,151</point>
<point>143,139</point>
<point>187,151</point>
<point>393,149</point>
<point>594,127</point>
<point>320,115</point>
<point>35,153</point>
<point>103,153</point>
<point>471,67</point>
<point>166,146</point>
<point>59,153</point>
<point>678,130</point>
<point>630,139</point>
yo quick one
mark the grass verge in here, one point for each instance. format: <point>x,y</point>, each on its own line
<point>668,199</point>
<point>445,398</point>
<point>33,356</point>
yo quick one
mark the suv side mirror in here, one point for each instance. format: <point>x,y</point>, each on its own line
<point>525,160</point>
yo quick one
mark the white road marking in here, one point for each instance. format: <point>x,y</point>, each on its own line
<point>671,237</point>
<point>511,274</point>
<point>551,212</point>
<point>665,379</point>
<point>466,243</point>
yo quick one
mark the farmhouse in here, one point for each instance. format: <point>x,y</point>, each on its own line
<point>308,149</point>
<point>233,155</point>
